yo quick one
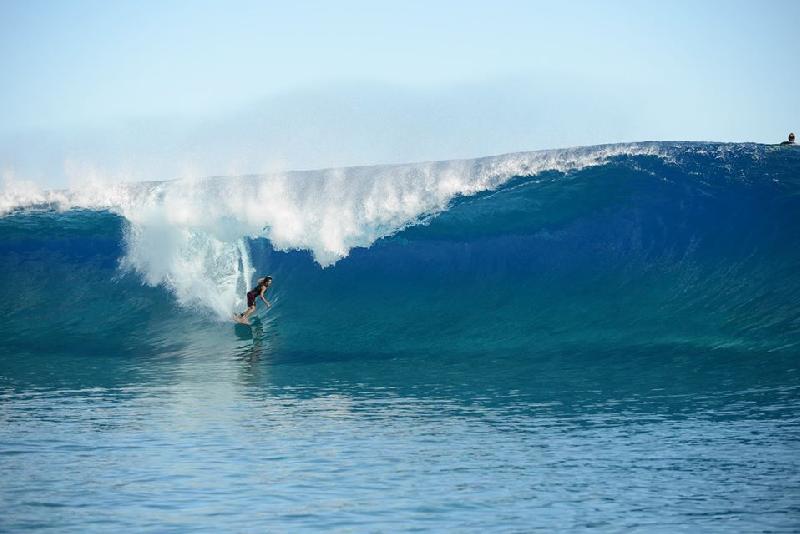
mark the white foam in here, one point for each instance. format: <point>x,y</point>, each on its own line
<point>188,235</point>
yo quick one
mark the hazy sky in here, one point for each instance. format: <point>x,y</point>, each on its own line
<point>155,90</point>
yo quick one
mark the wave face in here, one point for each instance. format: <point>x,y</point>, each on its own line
<point>676,245</point>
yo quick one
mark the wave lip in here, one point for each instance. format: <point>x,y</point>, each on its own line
<point>190,235</point>
<point>327,212</point>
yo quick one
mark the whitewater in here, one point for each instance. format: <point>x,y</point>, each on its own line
<point>595,337</point>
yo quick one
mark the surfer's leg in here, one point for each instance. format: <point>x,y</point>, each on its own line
<point>251,305</point>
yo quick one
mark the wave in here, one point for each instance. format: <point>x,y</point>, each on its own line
<point>619,245</point>
<point>189,234</point>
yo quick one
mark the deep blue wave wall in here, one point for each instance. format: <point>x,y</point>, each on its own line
<point>699,252</point>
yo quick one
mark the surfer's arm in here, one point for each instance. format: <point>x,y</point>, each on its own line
<point>265,300</point>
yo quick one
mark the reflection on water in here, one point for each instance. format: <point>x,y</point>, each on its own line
<point>240,436</point>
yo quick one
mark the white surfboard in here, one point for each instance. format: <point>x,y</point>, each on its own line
<point>240,320</point>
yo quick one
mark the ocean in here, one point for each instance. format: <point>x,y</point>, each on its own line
<point>598,337</point>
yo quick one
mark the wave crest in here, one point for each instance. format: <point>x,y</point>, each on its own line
<point>189,234</point>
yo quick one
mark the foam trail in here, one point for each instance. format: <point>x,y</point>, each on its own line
<point>188,234</point>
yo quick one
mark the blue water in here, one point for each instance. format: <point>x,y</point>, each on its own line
<point>611,344</point>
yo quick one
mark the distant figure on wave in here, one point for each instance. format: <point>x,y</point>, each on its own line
<point>790,141</point>
<point>258,291</point>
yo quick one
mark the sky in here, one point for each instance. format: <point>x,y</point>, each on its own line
<point>152,90</point>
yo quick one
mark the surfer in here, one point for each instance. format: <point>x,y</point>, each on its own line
<point>258,291</point>
<point>790,141</point>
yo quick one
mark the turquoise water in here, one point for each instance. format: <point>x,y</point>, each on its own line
<point>611,345</point>
<point>235,441</point>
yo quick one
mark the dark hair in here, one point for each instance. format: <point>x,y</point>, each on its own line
<point>265,280</point>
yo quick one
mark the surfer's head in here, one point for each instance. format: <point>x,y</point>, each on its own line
<point>791,137</point>
<point>266,281</point>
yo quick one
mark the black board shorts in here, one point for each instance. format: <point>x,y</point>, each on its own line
<point>251,299</point>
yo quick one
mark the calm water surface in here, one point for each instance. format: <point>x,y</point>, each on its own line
<point>245,440</point>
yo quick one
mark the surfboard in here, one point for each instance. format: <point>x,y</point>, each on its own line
<point>240,320</point>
